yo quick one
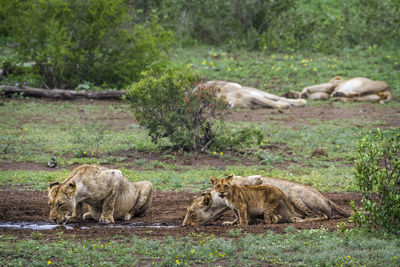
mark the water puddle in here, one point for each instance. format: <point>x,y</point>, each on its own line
<point>33,225</point>
<point>50,226</point>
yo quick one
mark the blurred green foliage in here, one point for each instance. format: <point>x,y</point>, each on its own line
<point>286,25</point>
<point>378,177</point>
<point>75,41</point>
<point>101,44</point>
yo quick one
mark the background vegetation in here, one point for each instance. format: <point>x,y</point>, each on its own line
<point>378,177</point>
<point>106,44</point>
<point>272,45</point>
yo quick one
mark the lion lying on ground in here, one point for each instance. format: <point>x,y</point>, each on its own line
<point>108,194</point>
<point>248,97</point>
<point>356,89</point>
<point>307,201</point>
<point>250,201</point>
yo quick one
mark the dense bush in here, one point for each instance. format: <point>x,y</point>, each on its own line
<point>97,41</point>
<point>378,178</point>
<point>168,107</point>
<point>317,25</point>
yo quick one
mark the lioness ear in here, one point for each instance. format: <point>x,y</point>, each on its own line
<point>71,187</point>
<point>259,181</point>
<point>230,176</point>
<point>337,78</point>
<point>213,180</point>
<point>53,184</point>
<point>207,200</point>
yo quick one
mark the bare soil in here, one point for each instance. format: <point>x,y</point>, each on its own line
<point>168,209</point>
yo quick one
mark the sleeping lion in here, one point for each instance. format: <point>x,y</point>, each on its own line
<point>356,89</point>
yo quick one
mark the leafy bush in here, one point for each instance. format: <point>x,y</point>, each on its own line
<point>378,177</point>
<point>97,41</point>
<point>167,105</point>
<point>242,140</point>
<point>286,25</point>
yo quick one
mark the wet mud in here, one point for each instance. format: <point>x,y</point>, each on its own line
<point>25,211</point>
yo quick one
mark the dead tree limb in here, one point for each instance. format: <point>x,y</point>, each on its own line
<point>61,94</point>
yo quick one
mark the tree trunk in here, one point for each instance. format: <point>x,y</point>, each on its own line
<point>61,94</point>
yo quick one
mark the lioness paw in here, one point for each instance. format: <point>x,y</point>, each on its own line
<point>87,216</point>
<point>106,220</point>
<point>73,219</point>
<point>127,217</point>
<point>227,223</point>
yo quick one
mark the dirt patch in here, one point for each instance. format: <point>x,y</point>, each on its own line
<point>168,209</point>
<point>385,116</point>
<point>153,159</point>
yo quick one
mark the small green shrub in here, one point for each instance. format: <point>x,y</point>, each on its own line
<point>238,140</point>
<point>97,41</point>
<point>378,178</point>
<point>168,106</point>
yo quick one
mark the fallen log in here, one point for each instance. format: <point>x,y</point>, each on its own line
<point>61,94</point>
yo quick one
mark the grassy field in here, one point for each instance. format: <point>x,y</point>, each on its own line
<point>279,73</point>
<point>75,132</point>
<point>295,248</point>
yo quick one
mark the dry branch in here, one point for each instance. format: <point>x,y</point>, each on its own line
<point>61,94</point>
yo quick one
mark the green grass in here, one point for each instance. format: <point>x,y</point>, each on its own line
<point>35,130</point>
<point>197,179</point>
<point>278,73</point>
<point>318,247</point>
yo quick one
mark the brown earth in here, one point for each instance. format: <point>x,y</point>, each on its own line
<point>168,209</point>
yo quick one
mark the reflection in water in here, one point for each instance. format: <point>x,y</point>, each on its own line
<point>33,225</point>
<point>50,226</point>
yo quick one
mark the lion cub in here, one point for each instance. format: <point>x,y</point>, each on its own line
<point>250,201</point>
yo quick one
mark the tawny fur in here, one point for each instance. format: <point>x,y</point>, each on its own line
<point>108,194</point>
<point>250,201</point>
<point>238,96</point>
<point>355,89</point>
<point>307,201</point>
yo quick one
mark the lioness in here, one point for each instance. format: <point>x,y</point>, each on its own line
<point>108,194</point>
<point>251,201</point>
<point>241,96</point>
<point>308,202</point>
<point>355,89</point>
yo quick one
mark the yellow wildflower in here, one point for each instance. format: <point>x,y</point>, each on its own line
<point>177,262</point>
<point>221,153</point>
<point>204,62</point>
<point>49,262</point>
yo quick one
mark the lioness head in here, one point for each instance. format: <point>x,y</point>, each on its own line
<point>222,186</point>
<point>196,213</point>
<point>61,201</point>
